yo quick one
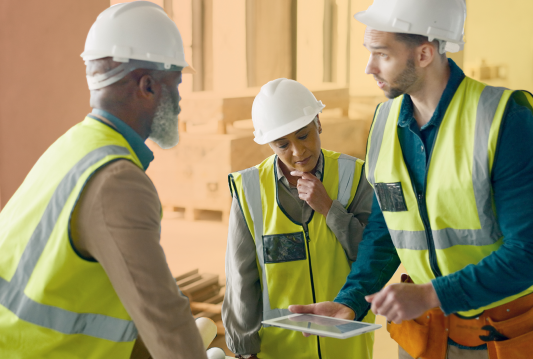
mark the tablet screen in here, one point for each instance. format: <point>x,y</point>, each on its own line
<point>331,325</point>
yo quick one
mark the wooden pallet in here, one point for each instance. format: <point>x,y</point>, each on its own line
<point>205,294</point>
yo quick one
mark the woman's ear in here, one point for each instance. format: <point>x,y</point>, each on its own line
<point>319,125</point>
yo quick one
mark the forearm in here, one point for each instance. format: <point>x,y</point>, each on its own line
<point>348,225</point>
<point>241,310</point>
<point>347,228</point>
<point>504,273</point>
<point>376,263</point>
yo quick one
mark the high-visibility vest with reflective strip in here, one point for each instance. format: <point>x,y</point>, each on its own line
<point>461,226</point>
<point>54,303</point>
<point>298,266</point>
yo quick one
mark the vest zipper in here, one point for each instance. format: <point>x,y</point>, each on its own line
<point>422,209</point>
<point>308,240</point>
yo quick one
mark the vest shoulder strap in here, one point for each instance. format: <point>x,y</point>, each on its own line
<point>375,138</point>
<point>348,177</point>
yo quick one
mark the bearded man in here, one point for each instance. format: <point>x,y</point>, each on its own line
<point>83,271</point>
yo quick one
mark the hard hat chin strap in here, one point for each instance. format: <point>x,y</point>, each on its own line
<point>442,46</point>
<point>118,73</point>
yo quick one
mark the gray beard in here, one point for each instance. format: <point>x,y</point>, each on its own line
<point>164,129</point>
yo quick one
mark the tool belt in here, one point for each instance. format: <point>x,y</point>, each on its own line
<point>507,330</point>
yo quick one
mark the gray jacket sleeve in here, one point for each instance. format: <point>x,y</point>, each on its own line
<point>241,310</point>
<point>348,225</point>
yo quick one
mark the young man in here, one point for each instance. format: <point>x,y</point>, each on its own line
<point>295,225</point>
<point>451,163</point>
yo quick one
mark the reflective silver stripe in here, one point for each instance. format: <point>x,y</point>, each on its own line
<point>346,172</point>
<point>490,231</point>
<point>12,294</point>
<point>442,238</point>
<point>486,111</point>
<point>252,192</point>
<point>376,139</point>
<point>415,240</point>
<point>449,237</point>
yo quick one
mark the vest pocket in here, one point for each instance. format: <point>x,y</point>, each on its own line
<point>411,336</point>
<point>516,348</point>
<point>286,247</point>
<point>519,330</point>
<point>390,197</point>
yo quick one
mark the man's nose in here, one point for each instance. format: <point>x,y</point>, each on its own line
<point>371,68</point>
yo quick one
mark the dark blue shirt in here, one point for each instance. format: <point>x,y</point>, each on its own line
<point>506,271</point>
<point>136,142</point>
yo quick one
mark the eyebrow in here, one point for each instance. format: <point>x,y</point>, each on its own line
<point>376,47</point>
<point>301,129</point>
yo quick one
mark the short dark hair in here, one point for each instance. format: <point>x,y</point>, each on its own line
<point>413,40</point>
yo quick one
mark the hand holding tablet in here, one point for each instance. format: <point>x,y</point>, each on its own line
<point>322,325</point>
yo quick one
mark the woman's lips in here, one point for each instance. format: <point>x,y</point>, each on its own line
<point>303,162</point>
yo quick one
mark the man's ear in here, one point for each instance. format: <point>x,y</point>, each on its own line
<point>146,86</point>
<point>426,54</point>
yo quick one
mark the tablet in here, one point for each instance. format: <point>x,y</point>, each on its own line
<point>321,325</point>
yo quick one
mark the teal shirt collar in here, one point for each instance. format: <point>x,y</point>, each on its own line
<point>136,142</point>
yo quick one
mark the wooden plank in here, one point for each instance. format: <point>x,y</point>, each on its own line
<point>220,328</point>
<point>206,307</point>
<point>205,293</point>
<point>213,316</point>
<point>185,275</point>
<point>189,280</point>
<point>206,281</point>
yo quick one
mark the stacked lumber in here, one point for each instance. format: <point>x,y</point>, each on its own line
<point>205,294</point>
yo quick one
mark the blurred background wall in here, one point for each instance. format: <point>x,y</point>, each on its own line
<point>236,46</point>
<point>43,91</point>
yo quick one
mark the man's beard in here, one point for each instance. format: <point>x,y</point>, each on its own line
<point>404,80</point>
<point>164,130</point>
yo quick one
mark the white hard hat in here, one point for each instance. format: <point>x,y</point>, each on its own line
<point>437,19</point>
<point>282,107</point>
<point>139,30</point>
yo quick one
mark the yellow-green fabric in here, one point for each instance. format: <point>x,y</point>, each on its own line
<point>54,303</point>
<point>316,277</point>
<point>463,227</point>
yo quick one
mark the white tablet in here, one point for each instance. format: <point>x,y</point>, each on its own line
<point>321,325</point>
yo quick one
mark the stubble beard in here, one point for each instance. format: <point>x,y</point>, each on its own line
<point>404,80</point>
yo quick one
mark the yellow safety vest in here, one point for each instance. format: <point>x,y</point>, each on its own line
<point>299,266</point>
<point>54,303</point>
<point>461,226</point>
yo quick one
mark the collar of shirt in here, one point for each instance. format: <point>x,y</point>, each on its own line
<point>407,118</point>
<point>285,181</point>
<point>136,142</point>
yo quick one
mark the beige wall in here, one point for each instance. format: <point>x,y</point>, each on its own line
<point>500,32</point>
<point>43,91</point>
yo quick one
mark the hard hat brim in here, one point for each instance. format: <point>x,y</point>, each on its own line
<point>289,128</point>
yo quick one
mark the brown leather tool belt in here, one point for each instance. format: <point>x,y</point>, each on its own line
<point>507,330</point>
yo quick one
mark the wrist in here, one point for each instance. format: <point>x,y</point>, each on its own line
<point>431,295</point>
<point>327,207</point>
